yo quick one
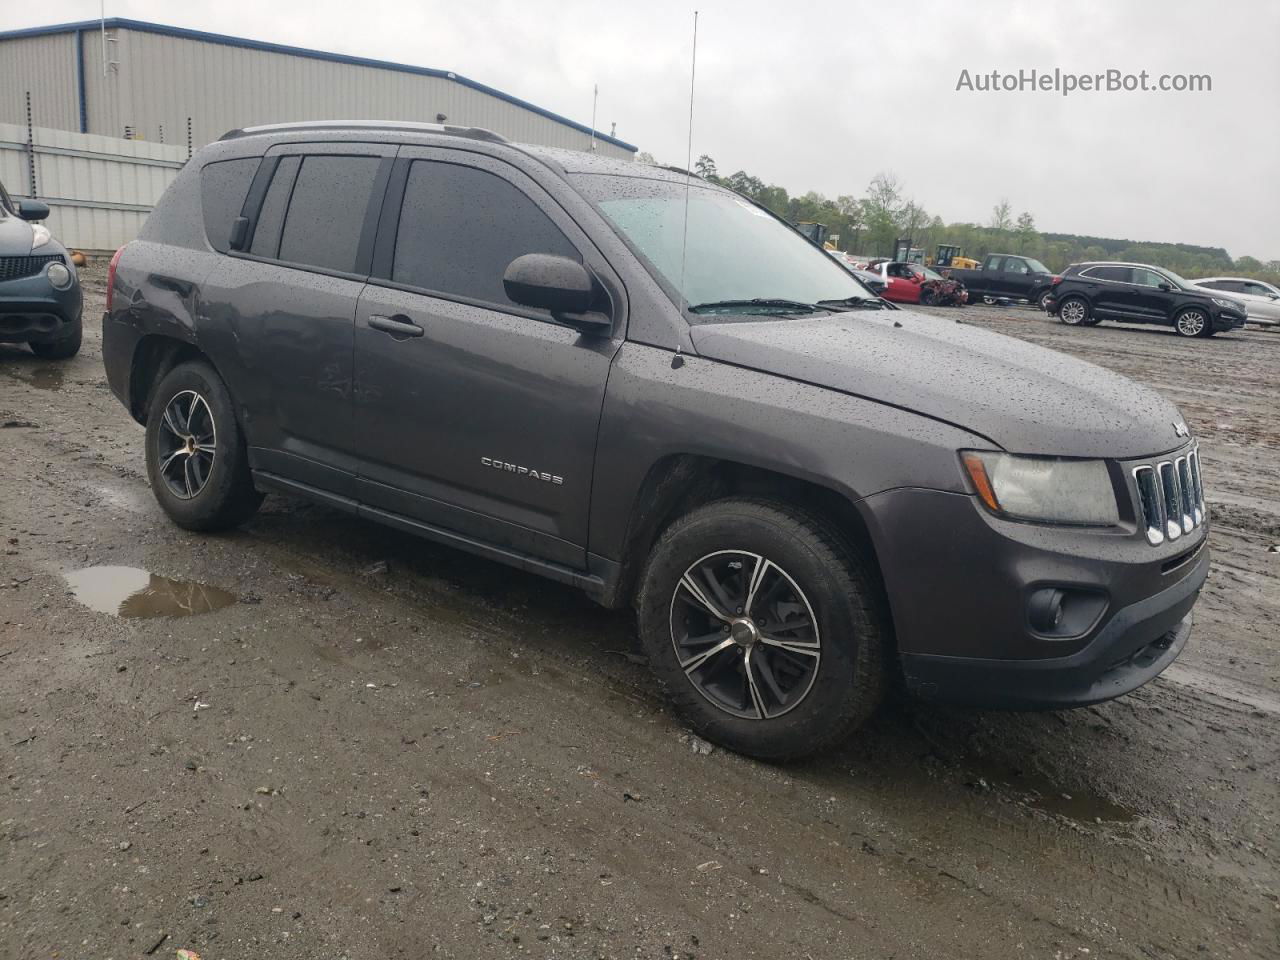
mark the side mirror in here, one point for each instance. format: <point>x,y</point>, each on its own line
<point>33,210</point>
<point>1166,287</point>
<point>558,284</point>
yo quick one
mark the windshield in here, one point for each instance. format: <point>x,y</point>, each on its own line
<point>737,253</point>
<point>930,275</point>
<point>6,205</point>
<point>1036,266</point>
<point>1184,284</point>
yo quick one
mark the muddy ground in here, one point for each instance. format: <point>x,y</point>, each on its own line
<point>381,748</point>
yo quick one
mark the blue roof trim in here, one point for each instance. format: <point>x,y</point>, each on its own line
<point>143,26</point>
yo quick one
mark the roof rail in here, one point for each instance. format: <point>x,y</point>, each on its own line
<point>408,126</point>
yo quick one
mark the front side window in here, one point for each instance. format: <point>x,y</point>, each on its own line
<point>1014,265</point>
<point>461,227</point>
<point>1148,278</point>
<point>1035,266</point>
<point>327,211</point>
<point>735,252</point>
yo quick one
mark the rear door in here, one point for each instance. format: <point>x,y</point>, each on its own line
<point>474,414</point>
<point>283,306</point>
<point>1109,289</point>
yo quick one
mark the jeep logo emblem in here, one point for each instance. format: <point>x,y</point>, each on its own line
<point>1180,429</point>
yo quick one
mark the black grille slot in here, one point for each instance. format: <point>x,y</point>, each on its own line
<point>16,268</point>
<point>1152,502</point>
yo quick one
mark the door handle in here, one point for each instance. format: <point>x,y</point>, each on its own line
<point>400,329</point>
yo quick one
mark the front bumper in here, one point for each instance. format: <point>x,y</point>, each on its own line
<point>961,585</point>
<point>33,311</point>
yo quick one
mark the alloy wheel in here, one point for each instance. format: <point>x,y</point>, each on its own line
<point>187,443</point>
<point>1072,313</point>
<point>745,634</point>
<point>1191,323</point>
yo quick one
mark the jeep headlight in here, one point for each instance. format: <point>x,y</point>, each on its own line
<point>1047,489</point>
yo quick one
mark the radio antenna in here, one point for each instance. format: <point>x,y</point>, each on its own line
<point>595,98</point>
<point>688,176</point>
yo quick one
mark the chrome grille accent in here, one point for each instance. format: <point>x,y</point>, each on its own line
<point>1170,497</point>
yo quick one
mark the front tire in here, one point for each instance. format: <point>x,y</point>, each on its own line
<point>61,349</point>
<point>196,457</point>
<point>763,628</point>
<point>1193,322</point>
<point>1074,312</point>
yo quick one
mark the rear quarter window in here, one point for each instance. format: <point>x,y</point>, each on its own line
<point>223,186</point>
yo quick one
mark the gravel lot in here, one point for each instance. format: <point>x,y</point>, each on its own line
<point>383,748</point>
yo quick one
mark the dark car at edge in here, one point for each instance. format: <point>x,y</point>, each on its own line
<point>40,298</point>
<point>625,379</point>
<point>1089,293</point>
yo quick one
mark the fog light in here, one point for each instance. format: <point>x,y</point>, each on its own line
<point>1059,613</point>
<point>59,275</point>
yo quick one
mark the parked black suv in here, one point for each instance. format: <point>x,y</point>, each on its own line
<point>1089,293</point>
<point>524,353</point>
<point>39,291</point>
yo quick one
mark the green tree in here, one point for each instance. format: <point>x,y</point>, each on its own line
<point>705,167</point>
<point>1001,216</point>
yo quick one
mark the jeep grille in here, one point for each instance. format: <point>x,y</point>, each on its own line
<point>1171,496</point>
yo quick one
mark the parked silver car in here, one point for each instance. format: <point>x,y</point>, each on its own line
<point>1261,299</point>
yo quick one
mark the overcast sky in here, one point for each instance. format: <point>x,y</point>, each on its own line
<point>823,96</point>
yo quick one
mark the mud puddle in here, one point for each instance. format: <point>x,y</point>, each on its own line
<point>42,377</point>
<point>134,593</point>
<point>1041,793</point>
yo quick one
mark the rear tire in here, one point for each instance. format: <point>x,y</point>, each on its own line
<point>1042,301</point>
<point>1074,312</point>
<point>196,456</point>
<point>62,349</point>
<point>727,670</point>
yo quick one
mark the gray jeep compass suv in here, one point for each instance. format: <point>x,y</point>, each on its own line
<point>635,382</point>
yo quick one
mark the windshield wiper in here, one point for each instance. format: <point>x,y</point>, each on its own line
<point>764,305</point>
<point>868,303</point>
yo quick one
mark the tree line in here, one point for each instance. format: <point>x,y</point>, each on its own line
<point>871,224</point>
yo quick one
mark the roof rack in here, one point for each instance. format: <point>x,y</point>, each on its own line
<point>408,126</point>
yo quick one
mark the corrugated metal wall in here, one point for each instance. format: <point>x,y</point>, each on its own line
<point>46,66</point>
<point>99,189</point>
<point>160,80</point>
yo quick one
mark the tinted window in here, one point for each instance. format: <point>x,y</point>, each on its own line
<point>222,191</point>
<point>1214,285</point>
<point>460,228</point>
<point>327,211</point>
<point>1148,278</point>
<point>266,235</point>
<point>1014,265</point>
<point>1114,274</point>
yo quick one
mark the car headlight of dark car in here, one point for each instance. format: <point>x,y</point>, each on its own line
<point>1047,489</point>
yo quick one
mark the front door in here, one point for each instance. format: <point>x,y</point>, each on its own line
<point>474,414</point>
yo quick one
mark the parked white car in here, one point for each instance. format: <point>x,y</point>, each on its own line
<point>1261,300</point>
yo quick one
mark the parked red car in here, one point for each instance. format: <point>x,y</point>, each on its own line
<point>912,283</point>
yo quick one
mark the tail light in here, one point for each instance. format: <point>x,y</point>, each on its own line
<point>1055,281</point>
<point>111,276</point>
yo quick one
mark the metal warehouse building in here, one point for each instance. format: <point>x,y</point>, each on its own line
<point>187,87</point>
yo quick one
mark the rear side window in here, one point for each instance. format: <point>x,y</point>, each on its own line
<point>223,187</point>
<point>327,211</point>
<point>461,227</point>
<point>266,235</point>
<point>1114,274</point>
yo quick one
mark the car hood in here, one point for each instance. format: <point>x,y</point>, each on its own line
<point>15,237</point>
<point>1024,398</point>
